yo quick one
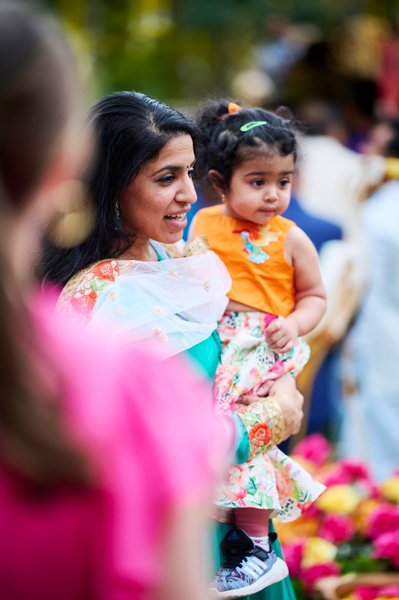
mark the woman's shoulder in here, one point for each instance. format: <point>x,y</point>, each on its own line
<point>80,294</point>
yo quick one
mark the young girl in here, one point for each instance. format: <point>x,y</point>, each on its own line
<point>277,294</point>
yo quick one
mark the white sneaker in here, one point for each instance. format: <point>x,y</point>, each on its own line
<point>248,568</point>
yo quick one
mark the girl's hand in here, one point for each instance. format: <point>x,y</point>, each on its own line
<point>262,392</point>
<point>281,334</point>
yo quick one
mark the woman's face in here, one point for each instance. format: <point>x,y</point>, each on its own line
<point>155,203</point>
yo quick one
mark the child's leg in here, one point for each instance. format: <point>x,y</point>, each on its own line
<point>255,523</point>
<point>250,562</point>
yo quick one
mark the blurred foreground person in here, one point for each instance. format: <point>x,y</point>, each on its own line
<point>370,368</point>
<point>99,497</point>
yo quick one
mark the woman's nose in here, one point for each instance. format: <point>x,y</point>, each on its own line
<point>187,192</point>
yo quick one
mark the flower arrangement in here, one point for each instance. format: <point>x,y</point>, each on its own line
<point>352,528</point>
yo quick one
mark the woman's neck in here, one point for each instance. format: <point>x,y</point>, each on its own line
<point>142,250</point>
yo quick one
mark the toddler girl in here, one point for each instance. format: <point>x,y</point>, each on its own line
<point>277,294</point>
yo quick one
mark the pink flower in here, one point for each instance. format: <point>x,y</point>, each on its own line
<point>337,528</point>
<point>313,512</point>
<point>314,448</point>
<point>355,469</point>
<point>315,572</point>
<point>389,591</point>
<point>366,592</point>
<point>384,519</point>
<point>347,471</point>
<point>293,553</point>
<point>335,476</point>
<point>371,489</point>
<point>387,546</point>
<point>371,592</point>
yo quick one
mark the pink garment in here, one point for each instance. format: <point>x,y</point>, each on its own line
<point>148,426</point>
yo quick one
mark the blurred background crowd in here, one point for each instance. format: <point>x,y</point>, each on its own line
<point>275,52</point>
<point>336,66</point>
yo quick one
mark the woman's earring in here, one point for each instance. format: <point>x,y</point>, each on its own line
<point>222,197</point>
<point>73,218</point>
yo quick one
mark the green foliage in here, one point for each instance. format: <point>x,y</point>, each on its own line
<point>299,589</point>
<point>183,50</point>
<point>355,557</point>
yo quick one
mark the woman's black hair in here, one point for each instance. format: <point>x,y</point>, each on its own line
<point>129,130</point>
<point>224,145</point>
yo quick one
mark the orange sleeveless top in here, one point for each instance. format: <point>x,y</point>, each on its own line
<point>254,256</point>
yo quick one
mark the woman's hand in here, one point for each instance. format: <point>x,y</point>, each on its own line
<point>285,392</point>
<point>290,400</point>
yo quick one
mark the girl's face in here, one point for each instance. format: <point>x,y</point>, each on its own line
<point>260,188</point>
<point>156,202</point>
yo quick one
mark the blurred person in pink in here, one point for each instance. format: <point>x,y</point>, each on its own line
<point>100,498</point>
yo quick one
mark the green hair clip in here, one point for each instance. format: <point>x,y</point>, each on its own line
<point>252,124</point>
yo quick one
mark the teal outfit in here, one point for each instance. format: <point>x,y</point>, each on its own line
<point>206,356</point>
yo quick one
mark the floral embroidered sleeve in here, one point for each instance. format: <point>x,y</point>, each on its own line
<point>264,424</point>
<point>80,294</point>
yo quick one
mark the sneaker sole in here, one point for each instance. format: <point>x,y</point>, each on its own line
<point>276,574</point>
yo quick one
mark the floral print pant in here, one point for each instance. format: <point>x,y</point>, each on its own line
<point>270,481</point>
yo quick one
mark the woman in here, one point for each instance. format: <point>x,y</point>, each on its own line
<point>141,185</point>
<point>82,516</point>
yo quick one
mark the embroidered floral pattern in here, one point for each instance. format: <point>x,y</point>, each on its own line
<point>255,240</point>
<point>105,271</point>
<point>260,435</point>
<point>80,294</point>
<point>160,334</point>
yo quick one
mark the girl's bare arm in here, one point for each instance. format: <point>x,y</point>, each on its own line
<point>310,295</point>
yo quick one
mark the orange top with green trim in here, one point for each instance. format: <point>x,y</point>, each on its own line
<point>254,256</point>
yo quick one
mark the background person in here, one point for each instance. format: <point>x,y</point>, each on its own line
<point>370,355</point>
